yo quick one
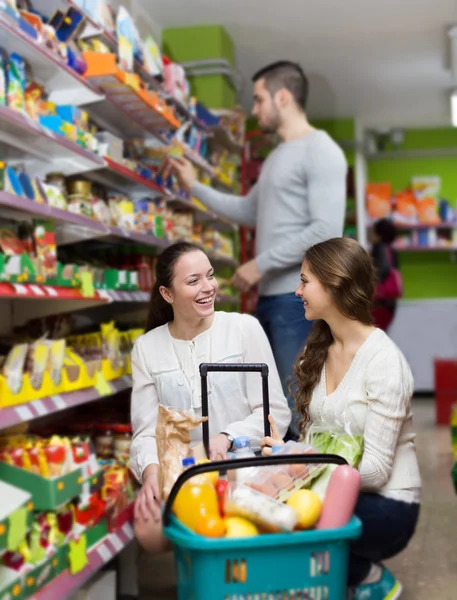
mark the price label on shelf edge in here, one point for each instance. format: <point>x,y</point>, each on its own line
<point>24,413</point>
<point>58,402</point>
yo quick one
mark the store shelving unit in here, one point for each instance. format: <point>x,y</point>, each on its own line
<point>64,586</point>
<point>21,137</point>
<point>29,411</point>
<point>65,86</point>
<point>24,141</point>
<point>414,248</point>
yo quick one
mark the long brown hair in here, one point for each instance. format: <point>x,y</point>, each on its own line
<point>345,270</point>
<point>160,311</point>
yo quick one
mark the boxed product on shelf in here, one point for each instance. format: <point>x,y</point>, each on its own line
<point>44,468</point>
<point>111,145</point>
<point>30,372</point>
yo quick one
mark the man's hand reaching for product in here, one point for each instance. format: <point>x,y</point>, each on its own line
<point>246,276</point>
<point>272,440</point>
<point>184,171</point>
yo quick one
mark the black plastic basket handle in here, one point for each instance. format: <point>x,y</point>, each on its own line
<point>240,463</point>
<point>206,368</point>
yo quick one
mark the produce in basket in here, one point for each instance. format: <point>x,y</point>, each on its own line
<point>196,502</point>
<point>334,438</point>
<point>307,506</point>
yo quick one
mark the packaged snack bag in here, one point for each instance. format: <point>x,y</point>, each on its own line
<point>405,207</point>
<point>173,443</point>
<point>379,200</point>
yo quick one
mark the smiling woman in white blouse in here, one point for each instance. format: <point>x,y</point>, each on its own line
<point>350,370</point>
<point>184,331</point>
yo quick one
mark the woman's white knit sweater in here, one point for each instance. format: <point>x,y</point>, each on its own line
<point>374,399</point>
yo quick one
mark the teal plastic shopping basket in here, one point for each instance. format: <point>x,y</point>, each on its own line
<point>306,565</point>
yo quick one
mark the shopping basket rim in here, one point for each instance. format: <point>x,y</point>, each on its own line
<point>180,535</point>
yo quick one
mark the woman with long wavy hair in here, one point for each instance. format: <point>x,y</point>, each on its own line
<point>351,368</point>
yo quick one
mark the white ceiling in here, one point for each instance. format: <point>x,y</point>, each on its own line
<point>382,61</point>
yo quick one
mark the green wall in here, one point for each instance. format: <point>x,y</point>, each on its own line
<point>399,172</point>
<point>428,274</point>
<point>425,274</point>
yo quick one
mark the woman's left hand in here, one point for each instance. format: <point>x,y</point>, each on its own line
<point>218,447</point>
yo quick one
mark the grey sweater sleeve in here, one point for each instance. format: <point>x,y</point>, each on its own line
<point>240,209</point>
<point>324,172</point>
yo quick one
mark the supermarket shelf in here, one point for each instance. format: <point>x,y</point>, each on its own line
<point>220,137</point>
<point>64,586</point>
<point>72,227</point>
<point>31,291</point>
<point>64,85</point>
<point>75,228</point>
<point>29,411</point>
<point>414,226</point>
<point>204,165</point>
<point>30,139</point>
<point>220,260</point>
<point>16,206</point>
<point>93,30</point>
<point>119,177</point>
<point>425,248</point>
<point>201,215</point>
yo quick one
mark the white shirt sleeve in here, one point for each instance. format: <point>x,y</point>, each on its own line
<point>144,412</point>
<point>257,349</point>
<point>389,386</point>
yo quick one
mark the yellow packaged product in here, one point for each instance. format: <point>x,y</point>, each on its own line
<point>56,360</point>
<point>14,367</point>
<point>38,362</point>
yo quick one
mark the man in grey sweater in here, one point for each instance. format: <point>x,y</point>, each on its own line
<point>299,200</point>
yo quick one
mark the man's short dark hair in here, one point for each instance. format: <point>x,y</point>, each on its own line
<point>285,75</point>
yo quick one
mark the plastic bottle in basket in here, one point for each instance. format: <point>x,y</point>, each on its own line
<point>242,449</point>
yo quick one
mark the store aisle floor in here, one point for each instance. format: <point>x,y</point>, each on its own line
<point>427,568</point>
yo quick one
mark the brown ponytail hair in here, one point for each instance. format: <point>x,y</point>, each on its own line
<point>346,271</point>
<point>160,311</point>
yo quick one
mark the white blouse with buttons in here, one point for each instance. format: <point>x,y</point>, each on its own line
<point>166,371</point>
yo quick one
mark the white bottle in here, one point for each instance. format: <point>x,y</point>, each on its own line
<point>242,449</point>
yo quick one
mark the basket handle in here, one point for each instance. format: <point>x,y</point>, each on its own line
<point>240,463</point>
<point>206,368</point>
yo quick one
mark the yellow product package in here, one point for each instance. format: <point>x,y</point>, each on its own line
<point>38,362</point>
<point>14,366</point>
<point>56,360</point>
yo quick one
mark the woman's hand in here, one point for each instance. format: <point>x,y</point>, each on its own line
<point>218,447</point>
<point>274,439</point>
<point>149,501</point>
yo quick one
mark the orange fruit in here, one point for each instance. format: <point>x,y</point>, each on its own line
<point>211,526</point>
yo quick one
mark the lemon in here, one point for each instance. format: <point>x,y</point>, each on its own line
<point>237,527</point>
<point>307,506</point>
